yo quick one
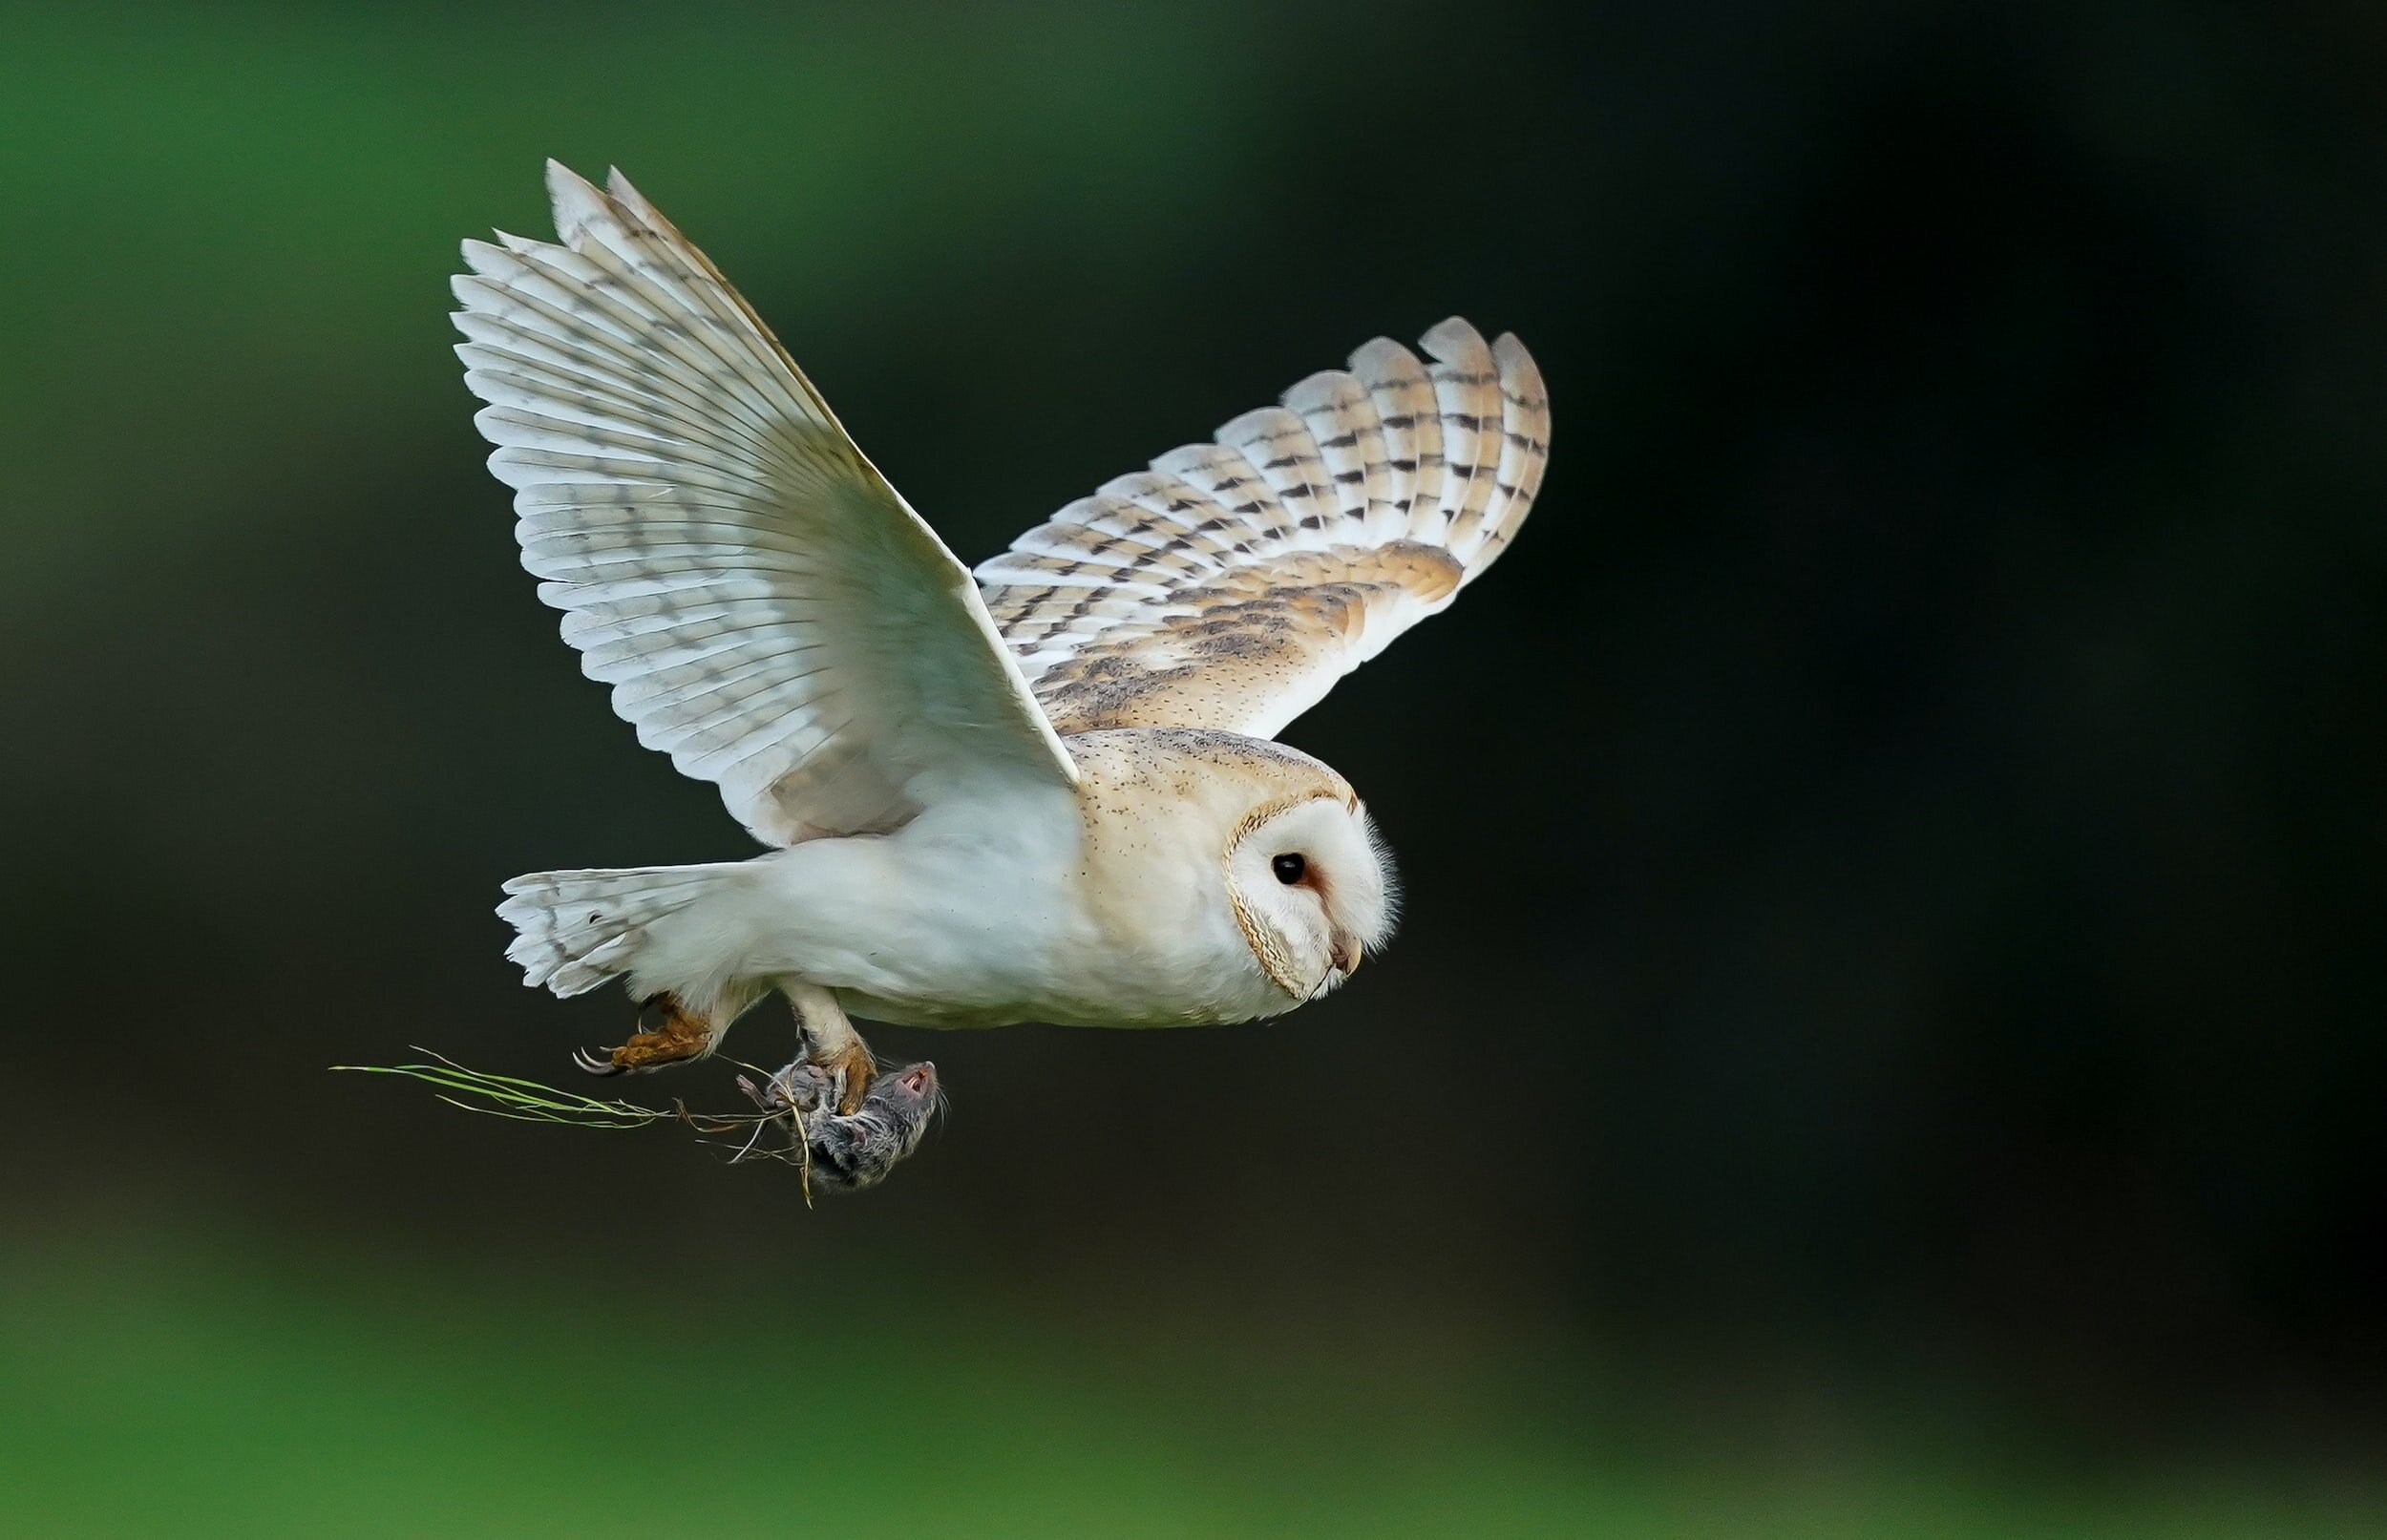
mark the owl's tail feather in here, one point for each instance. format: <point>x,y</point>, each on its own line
<point>579,929</point>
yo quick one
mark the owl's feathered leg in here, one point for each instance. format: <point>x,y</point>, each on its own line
<point>831,1042</point>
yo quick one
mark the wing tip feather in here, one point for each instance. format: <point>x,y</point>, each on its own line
<point>1453,340</point>
<point>575,202</point>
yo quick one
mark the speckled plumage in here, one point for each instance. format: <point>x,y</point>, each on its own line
<point>1235,581</point>
<point>1046,793</point>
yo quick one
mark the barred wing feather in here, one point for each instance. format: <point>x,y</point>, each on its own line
<point>1231,586</point>
<point>769,612</point>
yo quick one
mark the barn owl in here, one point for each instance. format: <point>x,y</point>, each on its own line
<point>1044,791</point>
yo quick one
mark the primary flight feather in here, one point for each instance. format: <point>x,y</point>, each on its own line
<point>1046,792</point>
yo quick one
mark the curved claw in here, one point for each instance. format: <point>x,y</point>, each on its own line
<point>593,1064</point>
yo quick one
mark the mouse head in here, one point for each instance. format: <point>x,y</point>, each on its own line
<point>850,1153</point>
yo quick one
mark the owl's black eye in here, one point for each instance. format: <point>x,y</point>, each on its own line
<point>1290,869</point>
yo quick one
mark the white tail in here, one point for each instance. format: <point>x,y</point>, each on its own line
<point>579,929</point>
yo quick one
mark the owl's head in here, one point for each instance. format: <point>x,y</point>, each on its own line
<point>1308,886</point>
<point>1313,888</point>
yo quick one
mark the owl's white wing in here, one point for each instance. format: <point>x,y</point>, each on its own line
<point>769,612</point>
<point>1231,586</point>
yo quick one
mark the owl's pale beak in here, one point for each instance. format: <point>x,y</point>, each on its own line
<point>1345,956</point>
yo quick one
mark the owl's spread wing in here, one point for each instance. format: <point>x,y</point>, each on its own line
<point>1231,586</point>
<point>769,612</point>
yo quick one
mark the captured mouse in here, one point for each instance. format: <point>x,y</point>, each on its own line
<point>850,1153</point>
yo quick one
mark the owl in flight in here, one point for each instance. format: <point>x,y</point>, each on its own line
<point>1046,791</point>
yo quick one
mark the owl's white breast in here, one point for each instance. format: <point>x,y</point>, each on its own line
<point>1103,907</point>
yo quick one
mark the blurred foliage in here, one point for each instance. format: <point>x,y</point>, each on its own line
<point>173,1391</point>
<point>1888,864</point>
<point>246,214</point>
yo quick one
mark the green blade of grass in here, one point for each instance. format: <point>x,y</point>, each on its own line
<point>509,1096</point>
<point>527,1101</point>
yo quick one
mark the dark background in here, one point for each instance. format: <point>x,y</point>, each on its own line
<point>1885,1034</point>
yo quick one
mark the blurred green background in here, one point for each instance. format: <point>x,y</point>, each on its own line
<point>1884,1041</point>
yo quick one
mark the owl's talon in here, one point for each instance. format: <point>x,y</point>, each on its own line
<point>679,1037</point>
<point>851,1071</point>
